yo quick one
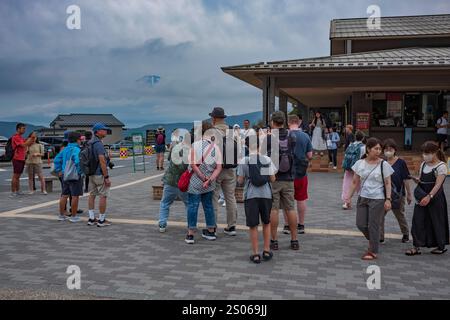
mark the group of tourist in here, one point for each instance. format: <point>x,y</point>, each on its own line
<point>271,164</point>
<point>68,167</point>
<point>372,168</point>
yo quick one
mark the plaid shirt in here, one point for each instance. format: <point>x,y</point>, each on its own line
<point>207,167</point>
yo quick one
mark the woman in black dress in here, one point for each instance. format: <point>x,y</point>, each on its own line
<point>430,226</point>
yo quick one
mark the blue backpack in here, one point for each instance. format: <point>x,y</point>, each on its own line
<point>352,155</point>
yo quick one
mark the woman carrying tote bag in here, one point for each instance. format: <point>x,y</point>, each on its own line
<point>430,226</point>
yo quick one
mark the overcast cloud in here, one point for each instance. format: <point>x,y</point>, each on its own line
<point>46,69</point>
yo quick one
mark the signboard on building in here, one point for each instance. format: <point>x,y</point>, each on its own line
<point>394,105</point>
<point>363,122</point>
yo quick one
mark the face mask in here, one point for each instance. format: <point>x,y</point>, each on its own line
<point>427,157</point>
<point>389,154</point>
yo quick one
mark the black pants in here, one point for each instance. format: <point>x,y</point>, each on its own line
<point>332,155</point>
<point>86,184</point>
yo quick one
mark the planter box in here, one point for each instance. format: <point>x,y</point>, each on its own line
<point>239,194</point>
<point>157,192</point>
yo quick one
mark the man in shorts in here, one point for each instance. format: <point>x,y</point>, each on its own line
<point>283,187</point>
<point>20,146</point>
<point>70,188</point>
<point>99,183</point>
<point>302,155</point>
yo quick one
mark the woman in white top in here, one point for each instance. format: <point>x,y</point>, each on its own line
<point>373,179</point>
<point>430,226</point>
<point>348,173</point>
<point>318,126</point>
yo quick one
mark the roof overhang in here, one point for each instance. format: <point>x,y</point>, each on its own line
<point>317,88</point>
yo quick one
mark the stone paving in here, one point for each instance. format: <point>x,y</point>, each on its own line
<point>134,261</point>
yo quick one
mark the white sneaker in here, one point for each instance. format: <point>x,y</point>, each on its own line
<point>334,168</point>
<point>62,218</point>
<point>345,206</point>
<point>75,219</point>
<point>44,192</point>
<point>31,193</point>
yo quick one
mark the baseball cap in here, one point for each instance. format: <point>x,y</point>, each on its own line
<point>99,126</point>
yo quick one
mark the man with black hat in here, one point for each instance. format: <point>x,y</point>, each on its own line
<point>227,178</point>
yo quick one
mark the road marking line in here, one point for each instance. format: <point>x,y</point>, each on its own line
<point>9,180</point>
<point>53,202</point>
<point>329,232</point>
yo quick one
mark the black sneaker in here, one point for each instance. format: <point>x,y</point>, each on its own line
<point>300,229</point>
<point>231,231</point>
<point>405,238</point>
<point>104,223</point>
<point>210,236</point>
<point>189,239</point>
<point>92,222</point>
<point>286,230</point>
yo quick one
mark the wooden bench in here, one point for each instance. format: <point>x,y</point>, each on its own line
<point>49,183</point>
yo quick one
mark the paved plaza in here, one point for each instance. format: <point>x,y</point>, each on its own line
<point>132,260</point>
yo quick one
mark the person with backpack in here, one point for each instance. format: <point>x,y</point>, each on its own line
<point>178,163</point>
<point>303,154</point>
<point>430,226</point>
<point>332,138</point>
<point>84,145</point>
<point>34,164</point>
<point>283,188</point>
<point>67,166</point>
<point>15,151</point>
<point>355,151</point>
<point>160,148</point>
<point>226,181</point>
<point>256,172</point>
<point>401,188</point>
<point>373,178</point>
<point>95,162</point>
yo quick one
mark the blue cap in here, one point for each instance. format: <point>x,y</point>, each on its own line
<point>99,126</point>
<point>66,135</point>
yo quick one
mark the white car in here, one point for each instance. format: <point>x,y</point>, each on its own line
<point>3,141</point>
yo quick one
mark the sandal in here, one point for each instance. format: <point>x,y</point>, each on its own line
<point>369,256</point>
<point>267,255</point>
<point>295,245</point>
<point>439,251</point>
<point>256,258</point>
<point>413,252</point>
<point>274,245</point>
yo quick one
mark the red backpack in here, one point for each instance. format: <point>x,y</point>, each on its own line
<point>160,139</point>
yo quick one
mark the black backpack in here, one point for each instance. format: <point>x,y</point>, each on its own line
<point>9,151</point>
<point>88,163</point>
<point>234,163</point>
<point>255,176</point>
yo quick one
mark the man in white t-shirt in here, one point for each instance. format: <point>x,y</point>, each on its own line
<point>442,130</point>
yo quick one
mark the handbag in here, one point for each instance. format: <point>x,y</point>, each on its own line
<point>71,171</point>
<point>185,178</point>
<point>419,193</point>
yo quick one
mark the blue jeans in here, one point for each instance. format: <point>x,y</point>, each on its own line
<point>169,195</point>
<point>208,208</point>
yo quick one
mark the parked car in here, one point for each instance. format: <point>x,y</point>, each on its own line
<point>2,152</point>
<point>3,141</point>
<point>52,143</point>
<point>121,144</point>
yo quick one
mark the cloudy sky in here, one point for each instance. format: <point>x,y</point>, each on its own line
<point>47,69</point>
